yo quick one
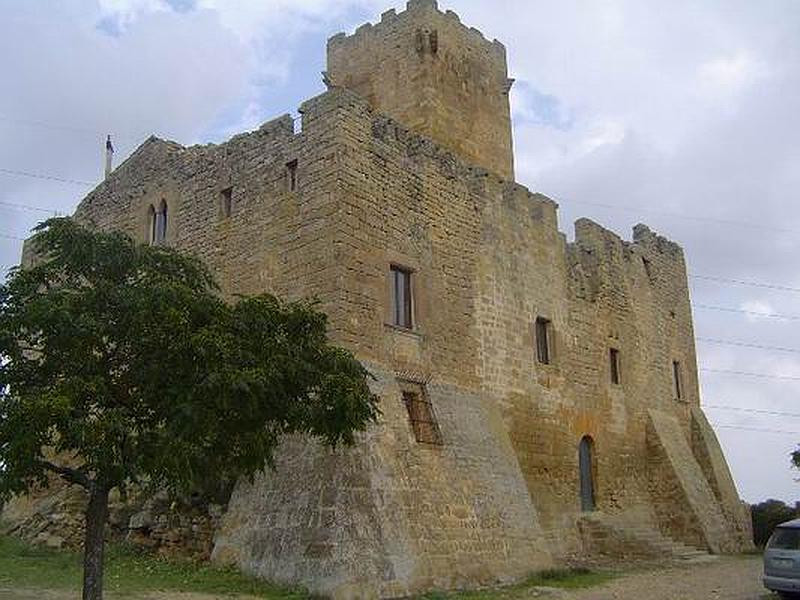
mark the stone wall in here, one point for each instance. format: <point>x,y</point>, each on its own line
<point>53,516</point>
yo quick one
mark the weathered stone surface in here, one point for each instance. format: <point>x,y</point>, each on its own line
<point>501,496</point>
<point>53,516</point>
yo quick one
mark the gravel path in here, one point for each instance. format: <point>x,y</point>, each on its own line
<point>728,578</point>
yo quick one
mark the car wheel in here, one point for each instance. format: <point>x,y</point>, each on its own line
<point>788,595</point>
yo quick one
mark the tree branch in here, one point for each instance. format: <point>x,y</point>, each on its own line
<point>70,475</point>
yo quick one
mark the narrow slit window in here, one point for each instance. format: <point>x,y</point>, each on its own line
<point>677,382</point>
<point>291,172</point>
<point>543,340</point>
<point>421,417</point>
<point>613,359</point>
<point>151,225</point>
<point>402,302</point>
<point>648,268</point>
<point>226,202</point>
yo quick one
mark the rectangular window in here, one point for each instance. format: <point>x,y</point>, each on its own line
<point>543,340</point>
<point>226,202</point>
<point>613,359</point>
<point>421,417</point>
<point>677,383</point>
<point>291,172</point>
<point>401,297</point>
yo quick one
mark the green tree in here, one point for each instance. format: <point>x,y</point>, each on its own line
<point>120,364</point>
<point>766,516</point>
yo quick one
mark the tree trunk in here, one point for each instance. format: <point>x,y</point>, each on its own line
<point>94,542</point>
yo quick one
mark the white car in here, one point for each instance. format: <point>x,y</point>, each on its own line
<point>782,560</point>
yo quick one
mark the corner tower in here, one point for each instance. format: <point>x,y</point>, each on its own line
<point>436,76</point>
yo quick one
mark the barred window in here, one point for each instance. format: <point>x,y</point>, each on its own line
<point>420,414</point>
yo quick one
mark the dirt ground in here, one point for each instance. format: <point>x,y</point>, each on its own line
<point>728,578</point>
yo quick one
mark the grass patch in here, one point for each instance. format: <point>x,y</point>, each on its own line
<point>127,570</point>
<point>570,579</point>
<point>556,578</point>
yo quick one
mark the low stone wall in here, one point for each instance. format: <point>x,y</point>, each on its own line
<point>53,516</point>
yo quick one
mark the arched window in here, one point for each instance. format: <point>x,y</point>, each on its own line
<point>585,460</point>
<point>157,223</point>
<point>161,222</point>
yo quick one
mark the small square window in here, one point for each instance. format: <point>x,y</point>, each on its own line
<point>677,380</point>
<point>543,344</point>
<point>613,359</point>
<point>420,415</point>
<point>402,301</point>
<point>291,173</point>
<point>226,202</point>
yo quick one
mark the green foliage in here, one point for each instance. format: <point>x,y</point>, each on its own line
<point>766,516</point>
<point>124,359</point>
<point>127,571</point>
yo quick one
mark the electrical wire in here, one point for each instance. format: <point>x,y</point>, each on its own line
<point>758,411</point>
<point>755,429</point>
<point>47,177</point>
<point>639,209</point>
<point>751,374</point>
<point>29,207</point>
<point>769,286</point>
<point>747,345</point>
<point>747,312</point>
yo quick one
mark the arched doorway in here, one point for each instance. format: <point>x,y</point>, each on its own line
<point>586,475</point>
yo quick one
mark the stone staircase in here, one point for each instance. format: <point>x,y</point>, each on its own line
<point>611,537</point>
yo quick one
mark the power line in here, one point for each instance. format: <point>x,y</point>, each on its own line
<point>29,207</point>
<point>747,345</point>
<point>58,127</point>
<point>747,312</point>
<point>769,286</point>
<point>756,429</point>
<point>639,209</point>
<point>48,177</point>
<point>750,374</point>
<point>51,125</point>
<point>757,411</point>
<point>11,237</point>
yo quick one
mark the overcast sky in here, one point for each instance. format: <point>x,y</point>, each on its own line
<point>681,114</point>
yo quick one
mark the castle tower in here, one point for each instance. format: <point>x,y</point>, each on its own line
<point>434,75</point>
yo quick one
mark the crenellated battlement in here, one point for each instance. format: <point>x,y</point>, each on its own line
<point>415,10</point>
<point>442,79</point>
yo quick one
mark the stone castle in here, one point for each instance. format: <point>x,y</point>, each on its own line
<point>540,398</point>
